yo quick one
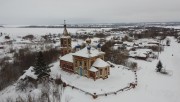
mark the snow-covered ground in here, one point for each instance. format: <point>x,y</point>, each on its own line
<point>175,27</point>
<point>42,31</point>
<point>118,79</point>
<point>152,86</point>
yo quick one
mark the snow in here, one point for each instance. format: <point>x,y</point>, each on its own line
<point>128,43</point>
<point>140,52</point>
<point>40,31</point>
<point>29,73</point>
<point>84,52</point>
<point>36,93</point>
<point>93,69</point>
<point>118,78</point>
<point>136,54</point>
<point>152,86</point>
<point>23,42</point>
<point>67,57</point>
<point>175,27</point>
<point>78,42</point>
<point>100,63</point>
<point>65,36</point>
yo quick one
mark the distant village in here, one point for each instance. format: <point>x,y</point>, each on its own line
<point>141,42</point>
<point>111,55</point>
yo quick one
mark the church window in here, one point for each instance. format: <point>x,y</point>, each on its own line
<point>84,63</point>
<point>62,42</point>
<point>69,41</point>
<point>101,72</point>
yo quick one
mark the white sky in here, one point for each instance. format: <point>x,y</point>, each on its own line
<point>88,11</point>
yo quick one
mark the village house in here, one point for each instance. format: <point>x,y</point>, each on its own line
<point>142,54</point>
<point>88,62</point>
<point>178,39</point>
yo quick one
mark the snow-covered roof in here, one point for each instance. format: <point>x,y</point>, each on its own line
<point>93,69</point>
<point>65,36</point>
<point>2,46</point>
<point>117,44</point>
<point>136,54</point>
<point>99,63</point>
<point>144,50</point>
<point>147,41</point>
<point>150,44</point>
<point>84,52</point>
<point>129,48</point>
<point>23,41</point>
<point>140,53</point>
<point>128,43</point>
<point>67,57</point>
<point>30,73</point>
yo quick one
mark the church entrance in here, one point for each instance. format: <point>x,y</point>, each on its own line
<point>80,71</point>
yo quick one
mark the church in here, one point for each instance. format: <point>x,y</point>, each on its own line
<point>88,62</point>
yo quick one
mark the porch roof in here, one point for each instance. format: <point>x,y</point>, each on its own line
<point>99,63</point>
<point>93,69</point>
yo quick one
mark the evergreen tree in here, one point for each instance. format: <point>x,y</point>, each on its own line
<point>41,69</point>
<point>159,66</point>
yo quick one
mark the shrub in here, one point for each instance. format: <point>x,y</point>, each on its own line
<point>58,81</point>
<point>159,66</point>
<point>64,84</point>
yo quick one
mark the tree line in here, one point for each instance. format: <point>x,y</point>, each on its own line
<point>22,60</point>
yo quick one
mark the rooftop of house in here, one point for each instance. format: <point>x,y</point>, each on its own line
<point>128,43</point>
<point>140,52</point>
<point>147,41</point>
<point>136,54</point>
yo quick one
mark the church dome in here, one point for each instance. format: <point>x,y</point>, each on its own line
<point>88,47</point>
<point>78,46</point>
<point>88,40</point>
<point>99,45</point>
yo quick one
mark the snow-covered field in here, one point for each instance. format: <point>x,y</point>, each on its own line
<point>42,31</point>
<point>152,86</point>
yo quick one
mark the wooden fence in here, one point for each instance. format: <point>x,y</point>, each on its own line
<point>131,85</point>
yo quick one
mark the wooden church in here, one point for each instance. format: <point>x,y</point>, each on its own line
<point>88,62</point>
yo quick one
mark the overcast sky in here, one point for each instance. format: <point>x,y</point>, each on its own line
<point>88,11</point>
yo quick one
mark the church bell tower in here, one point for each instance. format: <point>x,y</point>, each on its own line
<point>65,42</point>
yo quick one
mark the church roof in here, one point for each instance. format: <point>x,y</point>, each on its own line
<point>84,52</point>
<point>67,57</point>
<point>93,69</point>
<point>99,63</point>
<point>63,36</point>
<point>65,32</point>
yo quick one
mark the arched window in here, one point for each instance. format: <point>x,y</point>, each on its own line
<point>61,42</point>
